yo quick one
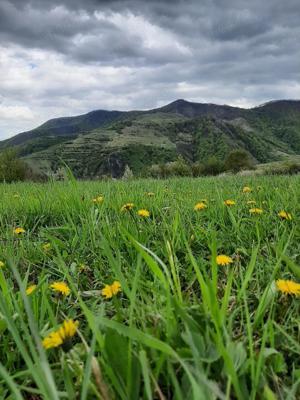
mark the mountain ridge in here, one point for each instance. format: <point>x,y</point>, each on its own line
<point>178,102</point>
<point>103,142</point>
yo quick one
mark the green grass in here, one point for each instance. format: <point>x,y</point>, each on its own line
<point>182,326</point>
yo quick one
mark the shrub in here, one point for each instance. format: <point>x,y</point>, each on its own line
<point>213,166</point>
<point>154,171</point>
<point>12,169</point>
<point>174,168</point>
<point>178,168</point>
<point>34,176</point>
<point>196,169</point>
<point>288,168</point>
<point>238,160</point>
<point>128,174</point>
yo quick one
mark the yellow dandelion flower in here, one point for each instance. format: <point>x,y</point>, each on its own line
<point>116,287</point>
<point>285,215</point>
<point>127,207</point>
<point>61,336</point>
<point>256,211</point>
<point>2,265</point>
<point>247,189</point>
<point>288,287</point>
<point>52,340</point>
<point>46,246</point>
<point>30,289</point>
<point>229,203</point>
<point>98,200</point>
<point>222,259</point>
<point>60,287</point>
<point>18,231</point>
<point>249,202</point>
<point>111,290</point>
<point>143,213</point>
<point>200,206</point>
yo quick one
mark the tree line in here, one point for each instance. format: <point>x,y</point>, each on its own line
<point>13,169</point>
<point>237,160</point>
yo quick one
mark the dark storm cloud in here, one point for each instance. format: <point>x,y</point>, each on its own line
<point>55,25</point>
<point>77,32</point>
<point>70,56</point>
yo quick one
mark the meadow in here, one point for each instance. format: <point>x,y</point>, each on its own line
<point>150,289</point>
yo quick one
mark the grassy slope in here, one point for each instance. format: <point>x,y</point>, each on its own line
<point>182,327</point>
<point>294,159</point>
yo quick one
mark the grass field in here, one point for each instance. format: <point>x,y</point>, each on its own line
<point>172,322</point>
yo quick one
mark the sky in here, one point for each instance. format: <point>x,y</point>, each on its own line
<point>69,57</point>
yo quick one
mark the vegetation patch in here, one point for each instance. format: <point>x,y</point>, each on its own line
<point>181,288</point>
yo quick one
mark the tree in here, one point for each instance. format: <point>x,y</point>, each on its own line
<point>238,160</point>
<point>213,166</point>
<point>154,171</point>
<point>178,168</point>
<point>12,169</point>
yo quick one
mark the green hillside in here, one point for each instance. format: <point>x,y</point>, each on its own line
<point>103,143</point>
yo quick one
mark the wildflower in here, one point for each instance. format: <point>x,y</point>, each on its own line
<point>249,202</point>
<point>61,336</point>
<point>284,215</point>
<point>46,246</point>
<point>200,206</point>
<point>288,287</point>
<point>98,200</point>
<point>222,259</point>
<point>247,189</point>
<point>127,207</point>
<point>143,213</point>
<point>2,264</point>
<point>229,202</point>
<point>30,289</point>
<point>150,194</point>
<point>18,231</point>
<point>111,290</point>
<point>256,211</point>
<point>60,287</point>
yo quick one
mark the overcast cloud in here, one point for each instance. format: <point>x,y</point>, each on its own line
<point>67,57</point>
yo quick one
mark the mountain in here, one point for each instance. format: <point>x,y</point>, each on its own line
<point>65,127</point>
<point>192,110</point>
<point>103,142</point>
